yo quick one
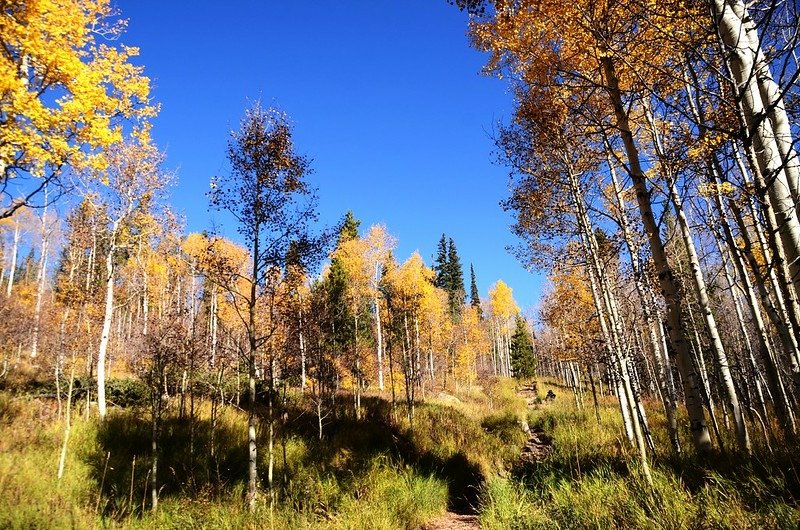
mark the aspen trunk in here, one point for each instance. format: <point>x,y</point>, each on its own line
<point>67,423</point>
<point>771,97</point>
<point>742,436</point>
<point>608,303</point>
<point>41,276</point>
<point>767,153</point>
<point>694,406</point>
<point>378,331</point>
<point>14,250</point>
<point>252,470</point>
<point>633,252</point>
<point>750,296</point>
<point>214,324</point>
<point>105,334</point>
<point>698,282</point>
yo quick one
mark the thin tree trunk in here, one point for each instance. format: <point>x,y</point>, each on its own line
<point>378,331</point>
<point>694,406</point>
<point>252,470</point>
<point>14,251</point>
<point>105,333</point>
<point>633,252</point>
<point>67,423</point>
<point>41,276</point>
<point>742,436</point>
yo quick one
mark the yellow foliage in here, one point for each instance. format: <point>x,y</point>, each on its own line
<point>501,301</point>
<point>569,308</point>
<point>62,95</point>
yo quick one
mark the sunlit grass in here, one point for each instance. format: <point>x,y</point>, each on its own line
<point>592,480</point>
<point>379,473</point>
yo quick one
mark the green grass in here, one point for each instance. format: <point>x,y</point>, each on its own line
<point>592,481</point>
<point>350,480</point>
<point>378,473</point>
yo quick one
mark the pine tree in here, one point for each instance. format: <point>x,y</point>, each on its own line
<point>336,286</point>
<point>523,361</point>
<point>474,297</point>
<point>440,265</point>
<point>349,228</point>
<point>455,279</point>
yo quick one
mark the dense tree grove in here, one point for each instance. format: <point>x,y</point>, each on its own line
<point>654,175</point>
<point>110,289</point>
<point>202,317</point>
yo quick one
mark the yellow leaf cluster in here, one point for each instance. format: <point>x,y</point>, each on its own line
<point>62,95</point>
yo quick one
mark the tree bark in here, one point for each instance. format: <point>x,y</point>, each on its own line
<point>694,406</point>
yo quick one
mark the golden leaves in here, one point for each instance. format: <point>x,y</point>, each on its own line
<point>63,95</point>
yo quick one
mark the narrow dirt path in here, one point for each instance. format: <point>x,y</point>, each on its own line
<point>537,448</point>
<point>453,521</point>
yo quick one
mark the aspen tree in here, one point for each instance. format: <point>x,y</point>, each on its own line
<point>267,193</point>
<point>134,179</point>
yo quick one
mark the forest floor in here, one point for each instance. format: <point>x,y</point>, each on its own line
<point>490,456</point>
<point>454,521</point>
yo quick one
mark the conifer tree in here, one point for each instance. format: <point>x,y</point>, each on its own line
<point>523,360</point>
<point>349,228</point>
<point>441,280</point>
<point>455,279</point>
<point>474,297</point>
<point>336,285</point>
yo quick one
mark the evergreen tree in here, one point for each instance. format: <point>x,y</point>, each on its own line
<point>455,279</point>
<point>341,320</point>
<point>440,265</point>
<point>474,297</point>
<point>523,360</point>
<point>348,229</point>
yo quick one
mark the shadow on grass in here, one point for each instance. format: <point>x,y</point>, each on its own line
<point>759,479</point>
<point>121,461</point>
<point>374,435</point>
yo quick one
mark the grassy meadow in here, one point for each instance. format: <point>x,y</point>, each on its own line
<point>377,473</point>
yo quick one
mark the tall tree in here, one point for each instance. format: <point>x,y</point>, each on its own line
<point>442,278</point>
<point>455,279</point>
<point>266,191</point>
<point>523,360</point>
<point>474,296</point>
<point>134,179</point>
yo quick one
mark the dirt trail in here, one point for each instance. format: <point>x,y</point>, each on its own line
<point>453,521</point>
<point>537,448</point>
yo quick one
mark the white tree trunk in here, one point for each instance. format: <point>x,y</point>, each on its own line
<point>14,250</point>
<point>105,334</point>
<point>378,331</point>
<point>766,150</point>
<point>67,424</point>
<point>699,284</point>
<point>41,276</point>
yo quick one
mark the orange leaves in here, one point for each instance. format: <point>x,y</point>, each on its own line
<point>218,258</point>
<point>569,308</point>
<point>547,42</point>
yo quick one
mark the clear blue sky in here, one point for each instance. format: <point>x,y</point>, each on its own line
<point>386,97</point>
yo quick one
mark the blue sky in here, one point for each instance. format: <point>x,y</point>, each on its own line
<point>386,98</point>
